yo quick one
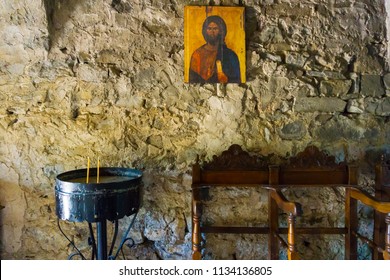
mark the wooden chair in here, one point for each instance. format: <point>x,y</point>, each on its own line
<point>381,243</point>
<point>310,168</point>
<point>381,237</point>
<point>236,168</point>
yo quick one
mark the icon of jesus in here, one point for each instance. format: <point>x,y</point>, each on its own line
<point>214,62</point>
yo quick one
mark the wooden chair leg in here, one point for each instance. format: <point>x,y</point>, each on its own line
<point>379,234</point>
<point>273,221</point>
<point>381,177</point>
<point>292,253</point>
<point>273,215</point>
<point>196,236</point>
<point>351,223</point>
<point>386,253</point>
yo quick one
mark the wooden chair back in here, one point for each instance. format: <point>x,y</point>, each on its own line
<point>234,167</point>
<point>381,237</point>
<point>310,168</point>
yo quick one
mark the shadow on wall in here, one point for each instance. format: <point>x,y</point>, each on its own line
<point>58,13</point>
<point>1,228</point>
<point>12,210</point>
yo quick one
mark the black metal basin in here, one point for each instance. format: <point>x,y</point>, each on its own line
<point>117,194</point>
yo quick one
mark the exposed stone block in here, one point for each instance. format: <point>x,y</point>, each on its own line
<point>325,74</point>
<point>277,84</point>
<point>371,85</point>
<point>355,83</point>
<point>318,74</point>
<point>320,104</point>
<point>273,57</point>
<point>293,130</point>
<point>340,128</point>
<point>286,9</point>
<point>355,106</point>
<point>334,75</point>
<point>335,87</point>
<point>386,81</point>
<point>370,105</point>
<point>296,59</point>
<point>383,108</point>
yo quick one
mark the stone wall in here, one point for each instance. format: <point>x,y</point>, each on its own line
<point>104,79</point>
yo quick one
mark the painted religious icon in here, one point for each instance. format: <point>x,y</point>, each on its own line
<point>214,44</point>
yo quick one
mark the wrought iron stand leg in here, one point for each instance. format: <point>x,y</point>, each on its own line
<point>101,228</point>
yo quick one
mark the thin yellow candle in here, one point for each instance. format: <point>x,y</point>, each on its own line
<point>98,166</point>
<point>88,171</point>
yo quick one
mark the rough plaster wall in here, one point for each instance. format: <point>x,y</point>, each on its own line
<point>387,6</point>
<point>87,78</point>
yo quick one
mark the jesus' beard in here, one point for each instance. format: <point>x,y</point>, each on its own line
<point>213,40</point>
